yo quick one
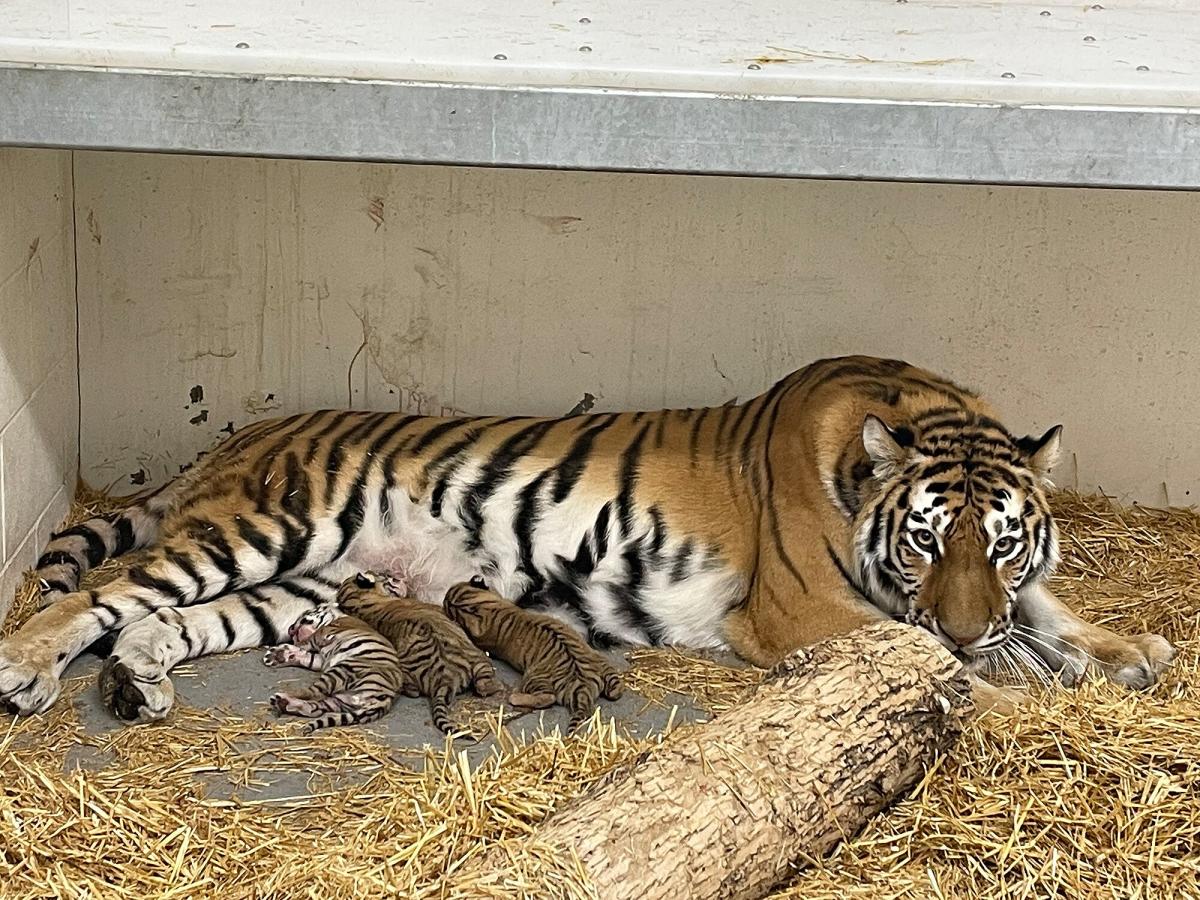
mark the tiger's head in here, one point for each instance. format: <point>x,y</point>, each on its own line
<point>311,622</point>
<point>955,522</point>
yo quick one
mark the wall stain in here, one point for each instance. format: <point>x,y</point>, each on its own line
<point>94,227</point>
<point>563,225</point>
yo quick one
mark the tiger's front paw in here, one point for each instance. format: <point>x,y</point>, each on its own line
<point>1142,660</point>
<point>134,696</point>
<point>1136,661</point>
<point>25,688</point>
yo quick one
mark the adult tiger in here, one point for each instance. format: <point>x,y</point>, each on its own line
<point>853,489</point>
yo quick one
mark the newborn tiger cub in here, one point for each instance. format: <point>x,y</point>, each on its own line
<point>438,659</point>
<point>555,662</point>
<point>360,671</point>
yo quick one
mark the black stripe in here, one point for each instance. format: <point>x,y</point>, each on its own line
<point>58,558</point>
<point>184,564</point>
<point>350,519</point>
<point>627,479</point>
<point>694,441</point>
<point>125,536</point>
<point>628,594</point>
<point>658,531</point>
<point>53,584</point>
<point>389,462</point>
<point>333,463</point>
<point>752,431</point>
<point>571,468</point>
<point>227,625</point>
<point>161,586</point>
<point>769,493</point>
<point>682,557</point>
<point>499,467</point>
<point>216,548</point>
<point>726,412</point>
<point>737,426</point>
<point>600,530</point>
<point>436,432</point>
<point>525,521</point>
<point>95,550</point>
<point>583,564</point>
<point>266,627</point>
<point>304,593</point>
<point>296,538</point>
<point>254,537</point>
<point>187,639</point>
<point>853,585</point>
<point>449,461</point>
<point>658,432</point>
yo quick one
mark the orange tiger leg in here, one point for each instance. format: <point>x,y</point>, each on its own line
<point>783,614</point>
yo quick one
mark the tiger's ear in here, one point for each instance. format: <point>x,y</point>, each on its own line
<point>1041,454</point>
<point>888,449</point>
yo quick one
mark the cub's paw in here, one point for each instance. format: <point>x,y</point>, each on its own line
<point>283,655</point>
<point>26,689</point>
<point>132,696</point>
<point>287,703</point>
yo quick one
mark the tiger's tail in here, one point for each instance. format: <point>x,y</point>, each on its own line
<point>439,709</point>
<point>347,715</point>
<point>74,551</point>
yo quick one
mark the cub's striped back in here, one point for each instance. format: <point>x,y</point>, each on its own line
<point>557,666</point>
<point>437,658</point>
<point>360,672</point>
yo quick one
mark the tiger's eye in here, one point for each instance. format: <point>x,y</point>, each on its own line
<point>925,539</point>
<point>1004,546</point>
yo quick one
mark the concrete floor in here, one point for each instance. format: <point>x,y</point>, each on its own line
<point>241,684</point>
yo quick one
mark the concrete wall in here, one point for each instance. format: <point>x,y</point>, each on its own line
<point>39,403</point>
<point>217,291</point>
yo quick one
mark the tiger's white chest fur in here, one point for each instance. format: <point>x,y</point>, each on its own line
<point>682,601</point>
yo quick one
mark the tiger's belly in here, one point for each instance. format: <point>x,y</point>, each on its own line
<point>632,590</point>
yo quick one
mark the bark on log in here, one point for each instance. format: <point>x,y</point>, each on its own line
<point>729,808</point>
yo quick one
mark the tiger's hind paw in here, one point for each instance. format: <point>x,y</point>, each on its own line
<point>133,697</point>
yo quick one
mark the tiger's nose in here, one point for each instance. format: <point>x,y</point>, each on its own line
<point>964,634</point>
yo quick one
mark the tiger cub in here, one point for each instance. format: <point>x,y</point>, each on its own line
<point>555,662</point>
<point>361,674</point>
<point>435,654</point>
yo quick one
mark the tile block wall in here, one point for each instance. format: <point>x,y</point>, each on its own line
<point>39,392</point>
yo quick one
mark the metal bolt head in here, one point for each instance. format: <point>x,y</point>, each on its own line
<point>242,45</point>
<point>754,66</point>
<point>1096,6</point>
<point>500,56</point>
<point>901,1</point>
<point>585,21</point>
<point>585,49</point>
<point>1143,68</point>
<point>1088,39</point>
<point>1007,75</point>
<point>1044,12</point>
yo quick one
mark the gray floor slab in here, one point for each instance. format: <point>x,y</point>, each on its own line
<point>240,684</point>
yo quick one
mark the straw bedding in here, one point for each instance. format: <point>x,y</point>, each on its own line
<point>1089,793</point>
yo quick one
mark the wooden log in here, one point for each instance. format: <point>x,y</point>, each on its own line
<point>729,808</point>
